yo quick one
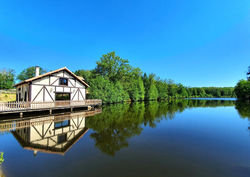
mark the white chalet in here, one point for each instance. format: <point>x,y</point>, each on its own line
<point>61,84</point>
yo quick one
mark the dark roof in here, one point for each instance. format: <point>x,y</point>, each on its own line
<point>52,72</point>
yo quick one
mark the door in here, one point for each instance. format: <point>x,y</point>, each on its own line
<point>62,99</point>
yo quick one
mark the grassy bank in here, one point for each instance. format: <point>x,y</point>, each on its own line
<point>7,97</point>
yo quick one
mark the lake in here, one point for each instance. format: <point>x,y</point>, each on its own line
<point>182,138</point>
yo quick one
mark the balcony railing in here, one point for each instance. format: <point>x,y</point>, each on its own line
<point>15,106</point>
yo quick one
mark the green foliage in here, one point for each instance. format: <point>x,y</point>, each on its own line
<point>151,92</point>
<point>123,82</point>
<point>29,73</point>
<point>109,92</point>
<point>242,90</point>
<point>172,88</point>
<point>7,79</point>
<point>1,158</point>
<point>86,74</point>
<point>162,88</point>
<point>115,80</point>
<point>243,108</point>
<point>141,90</point>
<point>113,67</point>
<point>208,92</point>
<point>182,91</point>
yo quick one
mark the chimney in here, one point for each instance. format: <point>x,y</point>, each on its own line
<point>37,71</point>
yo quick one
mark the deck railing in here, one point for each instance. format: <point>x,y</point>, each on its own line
<point>15,106</point>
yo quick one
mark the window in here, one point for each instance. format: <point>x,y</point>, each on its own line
<point>61,138</point>
<point>25,96</point>
<point>61,124</point>
<point>62,96</point>
<point>63,81</point>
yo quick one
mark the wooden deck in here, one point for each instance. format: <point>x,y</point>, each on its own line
<point>21,107</point>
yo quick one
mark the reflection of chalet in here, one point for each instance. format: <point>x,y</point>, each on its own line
<point>56,134</point>
<point>56,85</point>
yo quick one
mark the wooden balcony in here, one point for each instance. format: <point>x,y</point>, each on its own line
<point>6,107</point>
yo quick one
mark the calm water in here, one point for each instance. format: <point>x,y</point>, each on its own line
<point>196,138</point>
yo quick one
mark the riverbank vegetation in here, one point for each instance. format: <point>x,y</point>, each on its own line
<point>4,97</point>
<point>115,80</point>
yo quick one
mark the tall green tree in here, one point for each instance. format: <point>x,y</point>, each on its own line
<point>29,73</point>
<point>172,88</point>
<point>162,88</point>
<point>7,79</point>
<point>113,67</point>
<point>242,90</point>
<point>151,92</point>
<point>181,90</point>
<point>109,92</point>
<point>141,89</point>
<point>86,74</point>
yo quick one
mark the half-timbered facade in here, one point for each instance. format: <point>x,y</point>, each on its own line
<point>61,84</point>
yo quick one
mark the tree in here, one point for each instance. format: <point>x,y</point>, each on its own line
<point>102,88</point>
<point>7,79</point>
<point>141,90</point>
<point>162,88</point>
<point>86,74</point>
<point>29,73</point>
<point>182,91</point>
<point>113,67</point>
<point>152,92</point>
<point>242,90</point>
<point>172,88</point>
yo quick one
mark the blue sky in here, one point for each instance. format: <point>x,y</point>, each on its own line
<point>194,42</point>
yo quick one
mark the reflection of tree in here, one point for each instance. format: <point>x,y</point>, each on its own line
<point>115,126</point>
<point>243,109</point>
<point>119,122</point>
<point>1,158</point>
